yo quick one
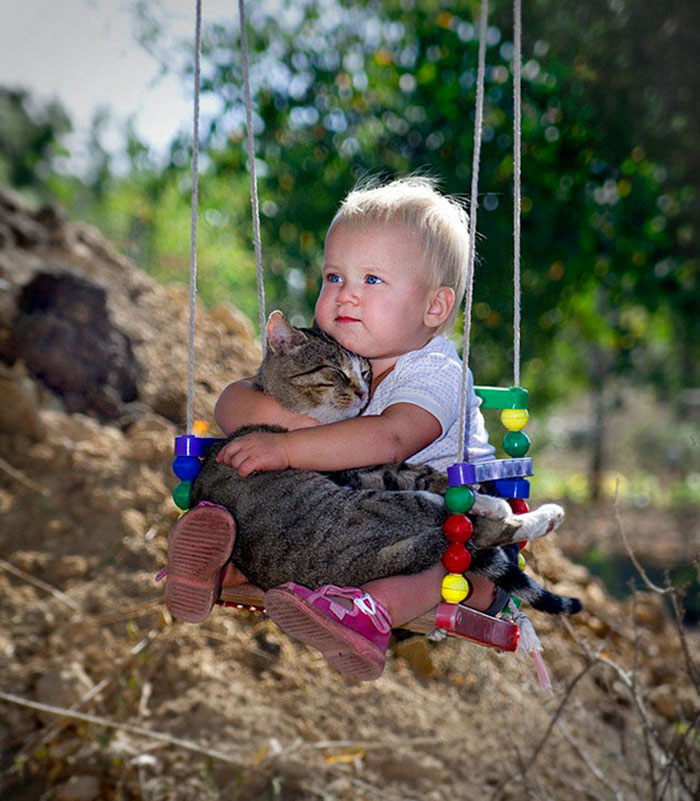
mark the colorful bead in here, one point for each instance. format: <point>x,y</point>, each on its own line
<point>512,487</point>
<point>456,558</point>
<point>522,564</point>
<point>502,398</point>
<point>181,494</point>
<point>186,468</point>
<point>516,601</point>
<point>457,528</point>
<point>459,499</point>
<point>516,443</point>
<point>522,544</point>
<point>455,588</point>
<point>518,505</point>
<point>514,419</point>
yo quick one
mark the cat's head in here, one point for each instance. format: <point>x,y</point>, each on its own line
<point>308,372</point>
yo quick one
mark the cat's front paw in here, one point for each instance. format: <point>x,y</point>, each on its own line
<point>540,522</point>
<point>489,507</point>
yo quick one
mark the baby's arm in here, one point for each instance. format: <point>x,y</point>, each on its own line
<point>242,404</point>
<point>392,436</point>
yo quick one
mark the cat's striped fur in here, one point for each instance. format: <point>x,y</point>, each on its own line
<point>353,526</point>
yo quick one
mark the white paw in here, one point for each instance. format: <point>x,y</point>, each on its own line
<point>540,522</point>
<point>488,506</point>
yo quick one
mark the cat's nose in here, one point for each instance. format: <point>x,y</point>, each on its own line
<point>361,394</point>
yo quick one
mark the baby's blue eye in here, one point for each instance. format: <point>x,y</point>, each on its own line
<point>332,278</point>
<point>373,279</point>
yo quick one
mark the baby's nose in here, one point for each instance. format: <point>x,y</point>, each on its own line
<point>347,295</point>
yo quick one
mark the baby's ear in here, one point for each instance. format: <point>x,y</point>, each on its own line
<point>281,335</point>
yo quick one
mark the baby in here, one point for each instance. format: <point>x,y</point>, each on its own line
<point>393,280</point>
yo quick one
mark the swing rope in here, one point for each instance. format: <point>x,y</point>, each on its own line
<point>517,200</point>
<point>517,162</point>
<point>253,177</point>
<point>194,203</point>
<point>465,412</point>
<point>194,215</point>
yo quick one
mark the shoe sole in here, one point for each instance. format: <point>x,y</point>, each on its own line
<point>347,651</point>
<point>199,547</point>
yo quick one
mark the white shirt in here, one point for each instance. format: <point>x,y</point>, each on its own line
<point>431,378</point>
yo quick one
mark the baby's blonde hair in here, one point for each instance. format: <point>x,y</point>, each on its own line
<point>440,221</point>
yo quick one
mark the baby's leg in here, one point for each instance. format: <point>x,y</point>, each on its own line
<point>408,597</point>
<point>233,576</point>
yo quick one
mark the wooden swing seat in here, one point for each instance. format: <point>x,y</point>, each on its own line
<point>457,621</point>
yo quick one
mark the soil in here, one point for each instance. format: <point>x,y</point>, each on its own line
<point>85,508</point>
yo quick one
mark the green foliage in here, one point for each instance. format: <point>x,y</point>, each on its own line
<point>349,90</point>
<point>30,139</point>
<point>381,88</point>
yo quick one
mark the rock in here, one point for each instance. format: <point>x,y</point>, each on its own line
<point>134,522</point>
<point>72,566</point>
<point>171,403</point>
<point>19,410</point>
<point>651,612</point>
<point>234,321</point>
<point>415,651</point>
<point>78,788</point>
<point>64,334</point>
<point>409,768</point>
<point>63,687</point>
<point>664,700</point>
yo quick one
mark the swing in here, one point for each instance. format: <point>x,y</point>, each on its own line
<point>506,478</point>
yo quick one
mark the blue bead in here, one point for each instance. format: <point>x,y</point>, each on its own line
<point>512,487</point>
<point>186,468</point>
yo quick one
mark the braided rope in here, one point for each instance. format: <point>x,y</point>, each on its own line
<point>517,162</point>
<point>194,214</point>
<point>465,415</point>
<point>253,177</point>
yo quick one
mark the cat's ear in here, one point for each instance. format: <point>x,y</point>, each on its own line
<point>281,335</point>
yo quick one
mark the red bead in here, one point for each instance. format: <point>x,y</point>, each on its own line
<point>522,544</point>
<point>518,505</point>
<point>457,528</point>
<point>456,558</point>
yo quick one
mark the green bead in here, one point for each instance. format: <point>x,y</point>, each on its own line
<point>459,500</point>
<point>516,601</point>
<point>516,443</point>
<point>181,494</point>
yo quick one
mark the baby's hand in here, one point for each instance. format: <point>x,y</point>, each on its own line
<point>252,452</point>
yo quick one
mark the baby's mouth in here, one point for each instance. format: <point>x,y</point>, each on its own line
<point>344,319</point>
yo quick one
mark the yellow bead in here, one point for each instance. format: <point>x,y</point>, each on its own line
<point>522,563</point>
<point>455,588</point>
<point>514,419</point>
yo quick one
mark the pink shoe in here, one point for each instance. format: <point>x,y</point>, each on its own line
<point>199,547</point>
<point>353,641</point>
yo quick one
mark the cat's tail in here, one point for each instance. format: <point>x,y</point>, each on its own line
<point>496,566</point>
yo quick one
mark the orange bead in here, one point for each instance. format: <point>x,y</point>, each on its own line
<point>457,528</point>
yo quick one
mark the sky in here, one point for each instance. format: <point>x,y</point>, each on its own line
<point>84,53</point>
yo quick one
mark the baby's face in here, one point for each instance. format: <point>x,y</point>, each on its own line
<point>375,291</point>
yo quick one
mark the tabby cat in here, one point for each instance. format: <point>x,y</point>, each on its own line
<point>353,526</point>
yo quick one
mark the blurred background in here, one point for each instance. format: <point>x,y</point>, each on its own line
<point>95,114</point>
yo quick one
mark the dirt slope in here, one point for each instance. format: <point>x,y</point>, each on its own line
<point>85,511</point>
